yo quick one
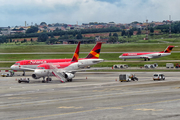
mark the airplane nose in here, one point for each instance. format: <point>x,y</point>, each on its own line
<point>12,67</point>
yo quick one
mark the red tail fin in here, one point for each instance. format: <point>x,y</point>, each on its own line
<point>168,49</point>
<point>95,52</point>
<point>76,54</point>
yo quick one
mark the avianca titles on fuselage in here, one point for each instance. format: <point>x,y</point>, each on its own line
<point>147,55</point>
<point>92,58</point>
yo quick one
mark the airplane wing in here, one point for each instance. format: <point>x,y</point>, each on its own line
<point>31,69</point>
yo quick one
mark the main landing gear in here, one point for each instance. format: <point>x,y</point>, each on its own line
<point>147,59</point>
<point>69,80</point>
<point>23,73</point>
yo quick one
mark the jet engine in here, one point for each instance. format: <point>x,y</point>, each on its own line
<point>35,76</point>
<point>69,76</point>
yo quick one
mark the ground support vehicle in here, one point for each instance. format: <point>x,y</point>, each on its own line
<point>127,77</point>
<point>151,65</point>
<point>169,65</point>
<point>120,66</point>
<point>8,74</point>
<point>158,76</point>
<point>5,75</point>
<point>177,65</point>
<point>23,80</point>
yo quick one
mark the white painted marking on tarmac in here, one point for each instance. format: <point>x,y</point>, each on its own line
<point>70,107</point>
<point>145,109</point>
<point>30,91</point>
<point>7,95</point>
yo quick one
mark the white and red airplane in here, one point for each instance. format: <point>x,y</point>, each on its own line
<point>147,55</point>
<point>64,70</point>
<point>91,59</point>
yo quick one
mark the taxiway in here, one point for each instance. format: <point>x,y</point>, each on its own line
<point>91,96</point>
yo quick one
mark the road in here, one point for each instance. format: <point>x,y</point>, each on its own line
<point>92,96</point>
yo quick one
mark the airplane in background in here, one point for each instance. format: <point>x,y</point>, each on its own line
<point>91,59</point>
<point>63,70</point>
<point>147,55</point>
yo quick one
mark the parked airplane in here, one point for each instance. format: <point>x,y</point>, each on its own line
<point>63,70</point>
<point>147,55</point>
<point>91,59</point>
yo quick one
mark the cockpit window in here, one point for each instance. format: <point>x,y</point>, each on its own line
<point>17,64</point>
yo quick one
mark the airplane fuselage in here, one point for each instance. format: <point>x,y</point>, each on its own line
<point>32,64</point>
<point>66,66</point>
<point>146,55</point>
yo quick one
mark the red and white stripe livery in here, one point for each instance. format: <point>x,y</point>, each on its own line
<point>147,55</point>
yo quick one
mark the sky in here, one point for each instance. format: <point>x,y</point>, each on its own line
<point>16,12</point>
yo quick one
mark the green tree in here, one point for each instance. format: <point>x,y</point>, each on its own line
<point>32,29</point>
<point>109,34</point>
<point>66,36</point>
<point>2,39</point>
<point>49,25</point>
<point>79,36</point>
<point>115,35</point>
<point>52,36</point>
<point>130,32</point>
<point>25,40</point>
<point>113,39</point>
<point>43,23</point>
<point>139,32</point>
<point>42,37</point>
<point>51,41</point>
<point>123,33</point>
<point>151,29</point>
<point>74,33</point>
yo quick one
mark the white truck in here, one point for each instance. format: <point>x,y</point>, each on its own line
<point>127,77</point>
<point>169,65</point>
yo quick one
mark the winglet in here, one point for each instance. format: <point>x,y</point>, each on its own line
<point>76,54</point>
<point>168,49</point>
<point>95,52</point>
